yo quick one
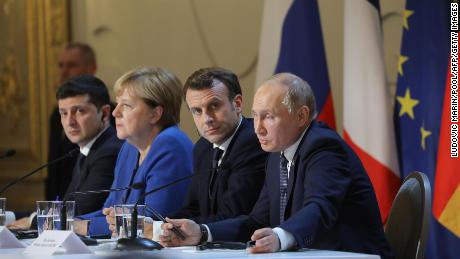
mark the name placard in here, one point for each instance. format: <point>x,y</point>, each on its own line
<point>8,240</point>
<point>49,242</point>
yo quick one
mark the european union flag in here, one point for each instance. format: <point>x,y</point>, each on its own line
<point>420,96</point>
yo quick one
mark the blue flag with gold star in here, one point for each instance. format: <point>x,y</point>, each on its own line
<point>423,75</point>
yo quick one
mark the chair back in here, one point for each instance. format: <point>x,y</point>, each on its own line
<point>407,225</point>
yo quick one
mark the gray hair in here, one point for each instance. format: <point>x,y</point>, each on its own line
<point>299,93</point>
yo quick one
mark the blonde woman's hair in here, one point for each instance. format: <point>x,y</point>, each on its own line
<point>156,87</point>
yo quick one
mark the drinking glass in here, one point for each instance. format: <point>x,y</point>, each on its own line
<point>2,211</point>
<point>70,212</point>
<point>123,220</point>
<point>48,215</point>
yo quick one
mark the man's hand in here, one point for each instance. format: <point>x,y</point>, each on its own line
<point>110,218</point>
<point>188,227</point>
<point>267,241</point>
<point>148,230</point>
<point>80,227</point>
<point>23,223</point>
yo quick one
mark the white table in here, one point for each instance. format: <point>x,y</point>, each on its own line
<point>105,250</point>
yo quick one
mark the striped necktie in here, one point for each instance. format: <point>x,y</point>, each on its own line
<point>283,186</point>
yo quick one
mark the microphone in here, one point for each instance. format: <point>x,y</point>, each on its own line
<point>71,153</point>
<point>63,212</point>
<point>134,242</point>
<point>136,186</point>
<point>8,153</point>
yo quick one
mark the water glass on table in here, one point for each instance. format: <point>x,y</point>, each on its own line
<point>70,212</point>
<point>123,214</point>
<point>49,215</point>
<point>2,211</point>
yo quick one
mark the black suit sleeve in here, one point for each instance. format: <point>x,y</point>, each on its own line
<point>240,182</point>
<point>59,174</point>
<point>191,208</point>
<point>100,176</point>
<point>239,179</point>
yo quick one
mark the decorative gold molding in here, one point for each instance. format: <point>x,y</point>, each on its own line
<point>28,78</point>
<point>11,96</point>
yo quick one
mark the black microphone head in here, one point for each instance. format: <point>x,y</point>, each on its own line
<point>137,186</point>
<point>10,152</point>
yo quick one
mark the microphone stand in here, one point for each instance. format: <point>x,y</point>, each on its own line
<point>136,243</point>
<point>69,154</point>
<point>63,212</point>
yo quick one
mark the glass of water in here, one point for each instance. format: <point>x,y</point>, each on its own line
<point>2,211</point>
<point>70,210</point>
<point>48,215</point>
<point>123,219</point>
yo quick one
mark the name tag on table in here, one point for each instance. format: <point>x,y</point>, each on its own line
<point>49,242</point>
<point>8,240</point>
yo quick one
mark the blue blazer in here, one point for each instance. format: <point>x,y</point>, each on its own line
<point>331,201</point>
<point>169,158</point>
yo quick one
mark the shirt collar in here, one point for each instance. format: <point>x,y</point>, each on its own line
<point>292,149</point>
<point>86,148</point>
<point>226,143</point>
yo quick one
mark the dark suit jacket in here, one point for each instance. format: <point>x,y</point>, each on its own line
<point>96,173</point>
<point>239,179</point>
<point>60,173</point>
<point>331,201</point>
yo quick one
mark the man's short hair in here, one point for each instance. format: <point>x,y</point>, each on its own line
<point>155,86</point>
<point>85,85</point>
<point>299,93</point>
<point>87,52</point>
<point>204,79</point>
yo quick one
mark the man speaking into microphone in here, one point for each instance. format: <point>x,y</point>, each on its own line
<point>84,107</point>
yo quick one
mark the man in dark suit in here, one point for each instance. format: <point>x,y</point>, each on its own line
<point>316,193</point>
<point>84,106</point>
<point>227,159</point>
<point>76,59</point>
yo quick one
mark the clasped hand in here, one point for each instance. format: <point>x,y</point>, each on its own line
<point>267,241</point>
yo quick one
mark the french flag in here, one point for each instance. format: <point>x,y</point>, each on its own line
<point>367,104</point>
<point>292,41</point>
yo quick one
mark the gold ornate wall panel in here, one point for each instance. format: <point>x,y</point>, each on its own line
<point>32,32</point>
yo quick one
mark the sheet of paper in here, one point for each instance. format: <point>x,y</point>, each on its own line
<point>49,242</point>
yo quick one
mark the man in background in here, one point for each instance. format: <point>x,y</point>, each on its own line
<point>76,59</point>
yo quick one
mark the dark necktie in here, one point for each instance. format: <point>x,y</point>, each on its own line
<point>80,161</point>
<point>216,157</point>
<point>215,164</point>
<point>283,186</point>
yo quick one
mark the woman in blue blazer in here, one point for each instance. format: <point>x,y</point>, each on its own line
<point>156,151</point>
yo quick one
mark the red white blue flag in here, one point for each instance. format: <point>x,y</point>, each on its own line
<point>292,41</point>
<point>367,104</point>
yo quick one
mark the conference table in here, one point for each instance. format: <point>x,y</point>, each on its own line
<point>106,250</point>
